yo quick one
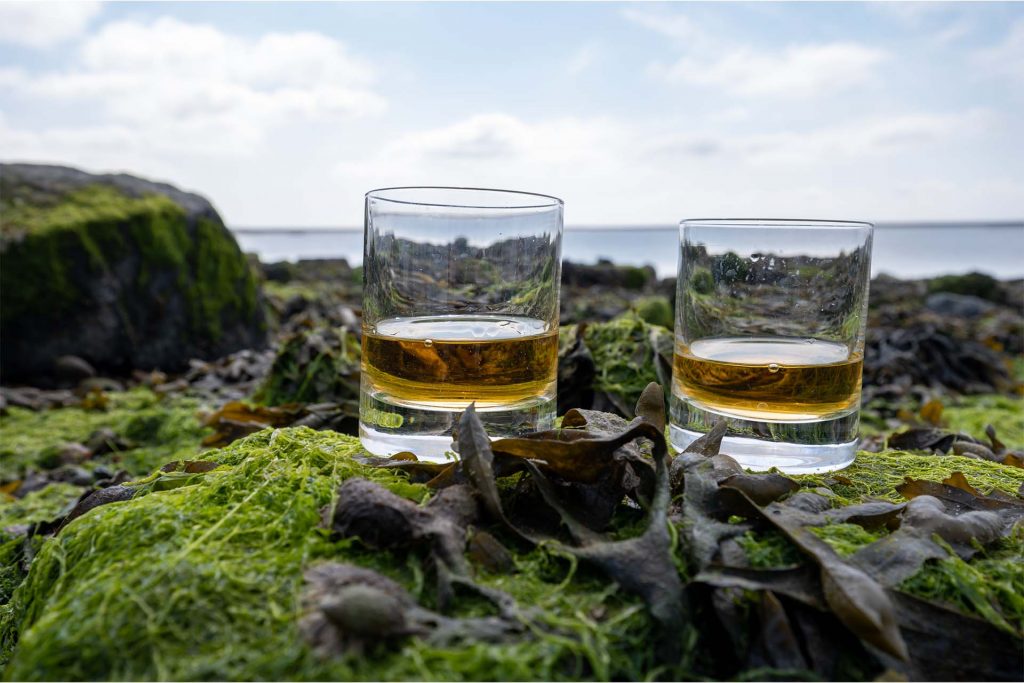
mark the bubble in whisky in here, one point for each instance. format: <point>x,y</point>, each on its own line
<point>450,361</point>
<point>769,378</point>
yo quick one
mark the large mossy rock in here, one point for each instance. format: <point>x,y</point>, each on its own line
<point>120,271</point>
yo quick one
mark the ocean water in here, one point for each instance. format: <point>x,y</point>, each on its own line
<point>906,251</point>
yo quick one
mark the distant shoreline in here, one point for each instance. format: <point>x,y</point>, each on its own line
<point>941,225</point>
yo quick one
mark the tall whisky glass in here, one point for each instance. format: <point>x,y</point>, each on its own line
<point>769,336</point>
<point>460,306</point>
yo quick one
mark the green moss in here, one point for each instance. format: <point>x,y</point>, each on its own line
<point>283,291</point>
<point>39,506</point>
<point>163,429</point>
<point>876,475</point>
<point>203,582</point>
<point>633,277</point>
<point>224,285</point>
<point>990,585</point>
<point>38,242</point>
<point>845,539</point>
<point>974,284</point>
<point>626,352</point>
<point>655,310</point>
<point>42,246</point>
<point>769,549</point>
<point>971,414</point>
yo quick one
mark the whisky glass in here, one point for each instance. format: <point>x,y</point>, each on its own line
<point>460,306</point>
<point>769,336</point>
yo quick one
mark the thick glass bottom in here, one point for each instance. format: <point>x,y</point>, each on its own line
<point>387,426</point>
<point>805,447</point>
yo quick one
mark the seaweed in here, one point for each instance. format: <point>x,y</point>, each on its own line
<point>206,581</point>
<point>161,428</point>
<point>209,569</point>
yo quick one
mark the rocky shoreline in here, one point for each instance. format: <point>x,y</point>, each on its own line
<point>195,457</point>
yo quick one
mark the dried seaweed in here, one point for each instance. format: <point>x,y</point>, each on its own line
<point>658,583</point>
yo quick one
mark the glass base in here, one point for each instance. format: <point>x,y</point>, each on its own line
<point>387,427</point>
<point>792,447</point>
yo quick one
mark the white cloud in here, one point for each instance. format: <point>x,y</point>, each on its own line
<point>614,170</point>
<point>194,86</point>
<point>889,136</point>
<point>1007,57</point>
<point>716,61</point>
<point>44,24</point>
<point>798,70</point>
<point>505,138</point>
<point>673,25</point>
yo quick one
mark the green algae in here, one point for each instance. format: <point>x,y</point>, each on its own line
<point>655,310</point>
<point>990,586</point>
<point>769,549</point>
<point>38,506</point>
<point>627,353</point>
<point>876,475</point>
<point>203,581</point>
<point>313,366</point>
<point>971,414</point>
<point>163,429</point>
<point>845,539</point>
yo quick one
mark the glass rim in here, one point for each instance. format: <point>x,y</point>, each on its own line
<point>769,223</point>
<point>552,202</point>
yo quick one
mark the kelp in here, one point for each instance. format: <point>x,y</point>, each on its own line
<point>657,583</point>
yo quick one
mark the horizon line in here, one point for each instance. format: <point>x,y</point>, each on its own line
<point>651,226</point>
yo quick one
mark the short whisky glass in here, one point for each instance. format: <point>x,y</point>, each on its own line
<point>769,336</point>
<point>460,306</point>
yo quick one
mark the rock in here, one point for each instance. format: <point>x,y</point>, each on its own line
<point>976,284</point>
<point>73,369</point>
<point>73,453</point>
<point>608,274</point>
<point>73,474</point>
<point>959,305</point>
<point>121,272</point>
<point>106,440</point>
<point>37,399</point>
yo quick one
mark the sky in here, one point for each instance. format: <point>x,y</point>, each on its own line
<point>284,115</point>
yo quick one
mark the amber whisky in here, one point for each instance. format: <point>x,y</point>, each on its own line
<point>775,379</point>
<point>447,362</point>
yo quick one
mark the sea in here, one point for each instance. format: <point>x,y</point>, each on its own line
<point>902,250</point>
